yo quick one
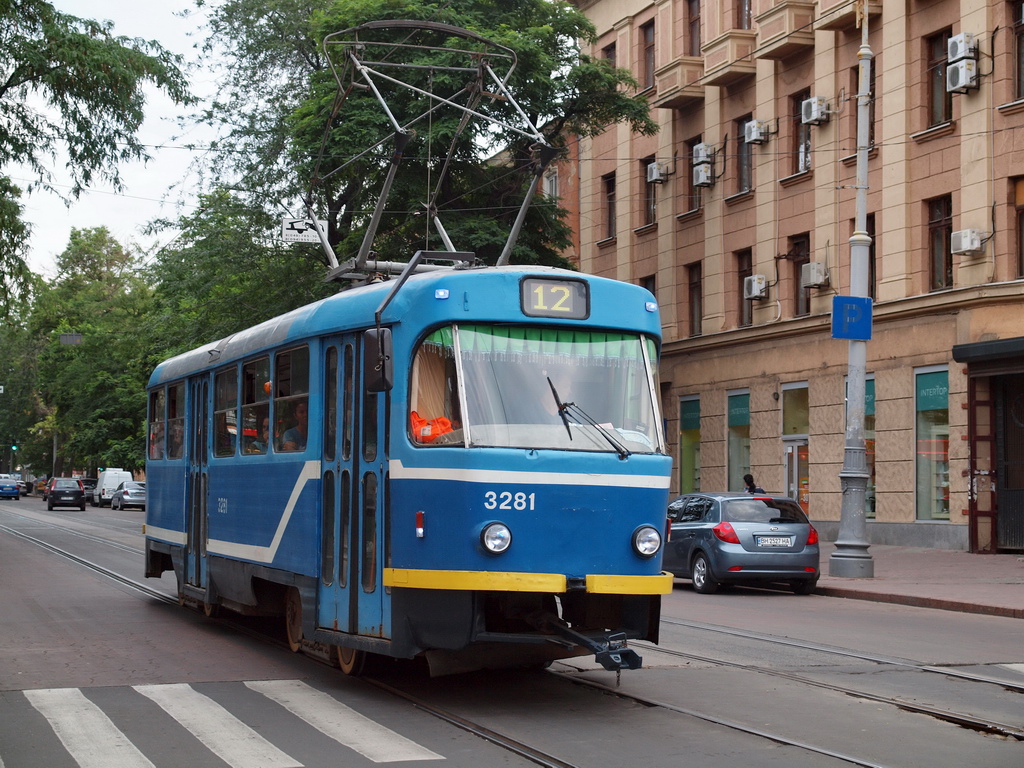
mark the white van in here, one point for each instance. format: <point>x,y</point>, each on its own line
<point>107,483</point>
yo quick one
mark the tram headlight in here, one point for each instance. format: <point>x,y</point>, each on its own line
<point>646,541</point>
<point>496,538</point>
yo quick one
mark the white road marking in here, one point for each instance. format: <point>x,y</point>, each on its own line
<point>341,723</point>
<point>225,735</point>
<point>89,736</point>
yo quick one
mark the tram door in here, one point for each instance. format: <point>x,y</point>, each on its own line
<point>351,593</point>
<point>196,481</point>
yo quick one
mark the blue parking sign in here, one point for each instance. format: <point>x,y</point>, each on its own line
<point>851,318</point>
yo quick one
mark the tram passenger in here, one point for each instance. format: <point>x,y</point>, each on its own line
<point>294,439</point>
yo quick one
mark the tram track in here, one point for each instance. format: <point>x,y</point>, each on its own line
<point>542,757</point>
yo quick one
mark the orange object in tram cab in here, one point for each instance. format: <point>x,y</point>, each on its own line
<point>427,431</point>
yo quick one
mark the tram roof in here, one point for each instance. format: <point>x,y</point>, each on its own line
<point>495,298</point>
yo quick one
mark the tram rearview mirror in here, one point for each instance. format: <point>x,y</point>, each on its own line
<point>378,368</point>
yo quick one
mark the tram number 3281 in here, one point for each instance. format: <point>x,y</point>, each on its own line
<point>508,500</point>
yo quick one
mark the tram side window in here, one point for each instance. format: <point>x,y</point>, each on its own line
<point>175,420</point>
<point>434,400</point>
<point>157,425</point>
<point>256,388</point>
<point>291,402</point>
<point>225,412</point>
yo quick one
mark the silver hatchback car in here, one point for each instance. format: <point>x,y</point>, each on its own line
<point>739,538</point>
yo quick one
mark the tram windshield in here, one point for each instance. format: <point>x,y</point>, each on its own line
<point>530,387</point>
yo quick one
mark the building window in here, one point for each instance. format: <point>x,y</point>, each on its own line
<point>940,102</point>
<point>1018,202</point>
<point>692,198</point>
<point>650,197</point>
<point>693,28</point>
<point>647,55</point>
<point>1018,32</point>
<point>689,444</point>
<point>695,296</point>
<point>650,282</point>
<point>801,134</point>
<point>608,189</point>
<point>872,250</point>
<point>744,157</point>
<point>743,15</point>
<point>940,229</point>
<point>551,184</point>
<point>738,439</point>
<point>744,269</point>
<point>855,90</point>
<point>799,253</point>
<point>932,461</point>
<point>608,53</point>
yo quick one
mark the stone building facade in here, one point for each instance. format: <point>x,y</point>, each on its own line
<point>748,190</point>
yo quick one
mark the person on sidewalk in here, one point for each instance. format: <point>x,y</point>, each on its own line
<point>751,486</point>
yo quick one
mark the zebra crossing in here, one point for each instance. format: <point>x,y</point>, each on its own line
<point>92,739</point>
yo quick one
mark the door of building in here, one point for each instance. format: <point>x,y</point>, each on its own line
<point>1010,462</point>
<point>798,472</point>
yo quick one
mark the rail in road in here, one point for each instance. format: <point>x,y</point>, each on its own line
<point>216,714</point>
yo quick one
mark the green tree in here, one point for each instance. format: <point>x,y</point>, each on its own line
<point>274,124</point>
<point>69,84</point>
<point>218,277</point>
<point>95,389</point>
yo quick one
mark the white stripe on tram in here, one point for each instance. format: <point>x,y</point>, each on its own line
<point>222,733</point>
<point>89,736</point>
<point>341,723</point>
<point>399,471</point>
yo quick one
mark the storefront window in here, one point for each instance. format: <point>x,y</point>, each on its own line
<point>932,461</point>
<point>739,439</point>
<point>689,445</point>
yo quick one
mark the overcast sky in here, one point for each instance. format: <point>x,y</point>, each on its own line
<point>146,193</point>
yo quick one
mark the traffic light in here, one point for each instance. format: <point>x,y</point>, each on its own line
<point>14,447</point>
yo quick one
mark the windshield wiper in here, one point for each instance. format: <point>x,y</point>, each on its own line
<point>561,407</point>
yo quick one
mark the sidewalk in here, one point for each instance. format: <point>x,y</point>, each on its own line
<point>934,578</point>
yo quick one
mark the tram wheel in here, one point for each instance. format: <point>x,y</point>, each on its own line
<point>293,618</point>
<point>351,661</point>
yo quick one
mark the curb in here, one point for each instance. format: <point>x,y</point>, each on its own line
<point>921,602</point>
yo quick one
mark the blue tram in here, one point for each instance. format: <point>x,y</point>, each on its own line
<point>469,464</point>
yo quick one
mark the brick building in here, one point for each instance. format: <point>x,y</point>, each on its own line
<point>748,190</point>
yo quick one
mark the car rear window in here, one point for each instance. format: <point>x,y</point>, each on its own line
<point>66,485</point>
<point>762,510</point>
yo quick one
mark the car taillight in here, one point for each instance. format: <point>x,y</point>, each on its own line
<point>726,533</point>
<point>812,537</point>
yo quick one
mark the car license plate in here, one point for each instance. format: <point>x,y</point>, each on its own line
<point>774,541</point>
<point>67,498</point>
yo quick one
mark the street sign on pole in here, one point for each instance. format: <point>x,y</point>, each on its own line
<point>851,318</point>
<point>301,230</point>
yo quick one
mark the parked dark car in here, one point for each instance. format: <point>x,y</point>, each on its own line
<point>130,493</point>
<point>9,488</point>
<point>65,492</point>
<point>739,538</point>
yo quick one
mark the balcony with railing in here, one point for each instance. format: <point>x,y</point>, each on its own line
<point>677,83</point>
<point>785,28</point>
<point>730,57</point>
<point>842,14</point>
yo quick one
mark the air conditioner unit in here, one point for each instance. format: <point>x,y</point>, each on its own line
<point>813,274</point>
<point>703,176</point>
<point>702,153</point>
<point>755,287</point>
<point>962,76</point>
<point>755,132</point>
<point>961,46</point>
<point>814,111</point>
<point>965,241</point>
<point>657,172</point>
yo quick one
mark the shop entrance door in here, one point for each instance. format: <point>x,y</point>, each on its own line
<point>798,472</point>
<point>1010,465</point>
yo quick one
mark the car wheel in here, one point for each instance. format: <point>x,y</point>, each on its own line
<point>82,508</point>
<point>803,587</point>
<point>700,574</point>
<point>49,507</point>
<point>113,505</point>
